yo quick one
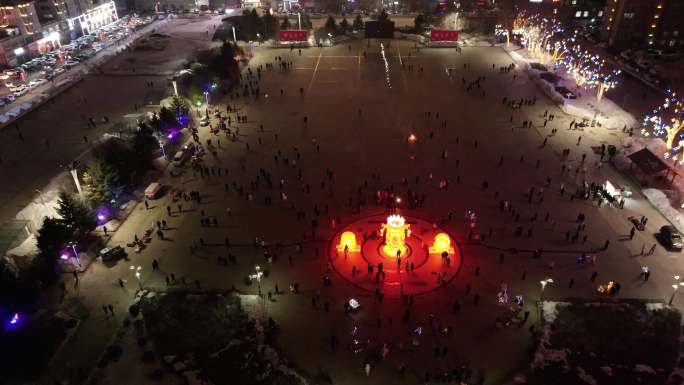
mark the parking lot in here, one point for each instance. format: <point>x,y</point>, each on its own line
<point>48,68</point>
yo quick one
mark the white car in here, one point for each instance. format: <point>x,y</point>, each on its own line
<point>20,91</point>
<point>37,82</point>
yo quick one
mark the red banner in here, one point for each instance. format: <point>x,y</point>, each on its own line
<point>293,35</point>
<point>444,35</point>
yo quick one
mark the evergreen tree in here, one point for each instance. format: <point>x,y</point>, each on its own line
<point>306,21</point>
<point>331,25</point>
<point>52,238</point>
<point>101,181</point>
<point>358,23</point>
<point>383,16</point>
<point>344,25</point>
<point>418,23</point>
<point>285,24</point>
<point>178,103</point>
<point>76,216</point>
<point>270,24</point>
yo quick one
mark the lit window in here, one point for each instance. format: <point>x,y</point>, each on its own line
<point>653,25</point>
<point>574,2</point>
<point>586,14</point>
<point>600,13</point>
<point>578,14</point>
<point>675,33</point>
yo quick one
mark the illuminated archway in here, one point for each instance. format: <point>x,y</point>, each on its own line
<point>441,244</point>
<point>348,242</point>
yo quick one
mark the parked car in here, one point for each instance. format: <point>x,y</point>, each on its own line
<point>153,190</point>
<point>37,82</point>
<point>19,91</point>
<point>566,93</point>
<point>180,158</point>
<point>670,237</point>
<point>112,253</point>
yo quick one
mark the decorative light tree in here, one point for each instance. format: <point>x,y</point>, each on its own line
<point>542,37</point>
<point>589,71</point>
<point>500,32</point>
<point>666,122</point>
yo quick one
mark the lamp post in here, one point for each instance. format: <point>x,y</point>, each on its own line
<point>160,140</point>
<point>257,275</point>
<point>137,270</point>
<point>675,287</point>
<point>543,286</point>
<point>299,19</point>
<point>72,244</point>
<point>206,103</point>
<point>73,169</point>
<point>234,35</point>
<point>40,194</point>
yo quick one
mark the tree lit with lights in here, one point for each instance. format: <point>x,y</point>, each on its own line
<point>665,122</point>
<point>501,32</point>
<point>542,37</point>
<point>589,71</point>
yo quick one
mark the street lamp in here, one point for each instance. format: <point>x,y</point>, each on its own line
<point>160,140</point>
<point>257,275</point>
<point>73,169</point>
<point>543,285</point>
<point>40,194</point>
<point>137,270</point>
<point>72,244</point>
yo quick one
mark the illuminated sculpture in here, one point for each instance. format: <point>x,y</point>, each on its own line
<point>348,242</point>
<point>395,231</point>
<point>441,244</point>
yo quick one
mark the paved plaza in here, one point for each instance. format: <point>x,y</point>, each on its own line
<point>325,139</point>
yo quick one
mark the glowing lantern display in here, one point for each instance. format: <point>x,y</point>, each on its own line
<point>348,242</point>
<point>395,231</point>
<point>441,244</point>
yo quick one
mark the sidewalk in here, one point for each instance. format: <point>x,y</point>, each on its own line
<point>611,116</point>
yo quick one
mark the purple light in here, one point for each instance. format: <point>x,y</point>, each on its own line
<point>102,214</point>
<point>64,256</point>
<point>15,319</point>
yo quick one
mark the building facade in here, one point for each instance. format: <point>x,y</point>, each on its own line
<point>29,28</point>
<point>655,24</point>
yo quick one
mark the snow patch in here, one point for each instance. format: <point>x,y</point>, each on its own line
<point>550,310</point>
<point>586,377</point>
<point>641,368</point>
